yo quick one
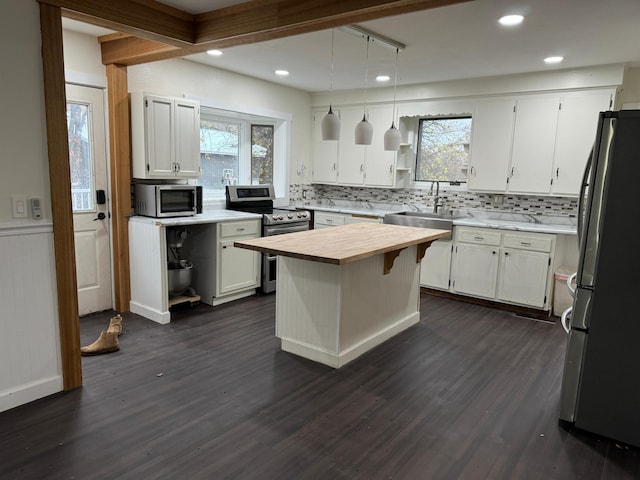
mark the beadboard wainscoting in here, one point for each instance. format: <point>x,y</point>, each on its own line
<point>30,363</point>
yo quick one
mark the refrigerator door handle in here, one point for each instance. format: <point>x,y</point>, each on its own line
<point>581,199</point>
<point>565,319</point>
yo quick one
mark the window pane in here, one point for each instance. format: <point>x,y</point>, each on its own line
<point>261,154</point>
<point>80,157</point>
<point>443,149</point>
<point>219,155</point>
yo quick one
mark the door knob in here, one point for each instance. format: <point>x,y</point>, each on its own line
<point>101,216</point>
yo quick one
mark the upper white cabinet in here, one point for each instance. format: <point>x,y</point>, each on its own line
<point>345,163</point>
<point>577,123</point>
<point>325,153</point>
<point>165,137</point>
<point>490,150</point>
<point>533,144</point>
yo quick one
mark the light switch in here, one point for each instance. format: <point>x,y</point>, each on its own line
<point>20,207</point>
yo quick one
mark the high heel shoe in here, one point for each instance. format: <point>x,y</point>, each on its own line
<point>106,342</point>
<point>115,325</point>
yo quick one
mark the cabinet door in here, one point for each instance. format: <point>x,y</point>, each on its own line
<point>490,148</point>
<point>475,270</point>
<point>380,167</point>
<point>577,123</point>
<point>350,155</point>
<point>238,268</point>
<point>533,144</point>
<point>160,153</point>
<point>325,153</point>
<point>523,277</point>
<point>187,138</point>
<point>436,265</point>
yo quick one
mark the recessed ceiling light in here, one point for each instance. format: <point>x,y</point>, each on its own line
<point>552,60</point>
<point>214,53</point>
<point>383,78</point>
<point>511,20</point>
<point>282,73</point>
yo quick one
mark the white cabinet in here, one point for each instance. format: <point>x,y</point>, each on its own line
<point>362,219</point>
<point>533,144</point>
<point>503,266</point>
<point>380,164</point>
<point>327,219</point>
<point>345,163</point>
<point>475,263</point>
<point>577,123</point>
<point>490,149</point>
<point>325,153</point>
<point>165,137</point>
<point>351,157</point>
<point>436,265</point>
<point>238,269</point>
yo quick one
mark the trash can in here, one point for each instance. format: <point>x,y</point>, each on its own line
<point>562,299</point>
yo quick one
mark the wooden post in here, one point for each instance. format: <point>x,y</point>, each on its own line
<point>60,184</point>
<point>120,164</point>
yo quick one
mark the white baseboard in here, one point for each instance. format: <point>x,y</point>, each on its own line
<point>29,392</point>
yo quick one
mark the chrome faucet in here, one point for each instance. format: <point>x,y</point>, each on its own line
<point>437,197</point>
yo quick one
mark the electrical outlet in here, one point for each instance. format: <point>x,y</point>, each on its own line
<point>19,206</point>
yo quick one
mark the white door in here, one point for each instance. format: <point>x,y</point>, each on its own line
<point>88,165</point>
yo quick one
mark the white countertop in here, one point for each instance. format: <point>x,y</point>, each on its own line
<point>483,219</point>
<point>211,216</point>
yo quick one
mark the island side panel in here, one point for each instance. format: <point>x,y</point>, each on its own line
<point>333,314</point>
<point>148,271</point>
<point>308,297</point>
<point>376,306</point>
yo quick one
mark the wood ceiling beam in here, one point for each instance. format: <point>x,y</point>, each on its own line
<point>146,18</point>
<point>257,21</point>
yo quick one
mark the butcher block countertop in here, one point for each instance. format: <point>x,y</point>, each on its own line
<point>346,243</point>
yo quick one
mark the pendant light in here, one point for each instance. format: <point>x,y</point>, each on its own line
<point>392,136</point>
<point>330,124</point>
<point>364,130</point>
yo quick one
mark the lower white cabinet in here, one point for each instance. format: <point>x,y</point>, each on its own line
<point>436,265</point>
<point>475,270</point>
<point>330,219</point>
<point>238,268</point>
<point>509,267</point>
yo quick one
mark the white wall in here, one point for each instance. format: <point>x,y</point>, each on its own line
<point>30,365</point>
<point>82,60</point>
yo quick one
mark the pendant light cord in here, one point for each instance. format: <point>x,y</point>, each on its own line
<point>333,30</point>
<point>395,86</point>
<point>366,77</point>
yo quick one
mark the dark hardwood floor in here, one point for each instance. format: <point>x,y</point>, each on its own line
<point>469,393</point>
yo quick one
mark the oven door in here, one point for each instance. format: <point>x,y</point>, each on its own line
<point>269,264</point>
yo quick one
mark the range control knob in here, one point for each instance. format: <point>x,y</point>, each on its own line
<point>289,215</point>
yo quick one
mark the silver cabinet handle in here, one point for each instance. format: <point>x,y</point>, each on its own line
<point>239,229</point>
<point>335,166</point>
<point>478,238</point>
<point>525,244</point>
<point>361,167</point>
<point>512,170</point>
<point>391,168</point>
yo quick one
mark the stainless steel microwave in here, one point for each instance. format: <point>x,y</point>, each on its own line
<point>153,200</point>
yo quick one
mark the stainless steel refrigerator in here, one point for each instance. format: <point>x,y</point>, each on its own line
<point>601,380</point>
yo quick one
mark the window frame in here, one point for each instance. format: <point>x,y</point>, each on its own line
<point>451,184</point>
<point>281,123</point>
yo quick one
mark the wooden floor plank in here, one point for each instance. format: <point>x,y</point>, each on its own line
<point>469,392</point>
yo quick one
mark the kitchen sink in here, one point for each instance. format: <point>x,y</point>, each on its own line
<point>421,220</point>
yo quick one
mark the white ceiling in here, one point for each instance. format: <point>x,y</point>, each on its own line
<point>446,43</point>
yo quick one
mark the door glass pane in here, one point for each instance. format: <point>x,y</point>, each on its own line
<point>261,154</point>
<point>80,157</point>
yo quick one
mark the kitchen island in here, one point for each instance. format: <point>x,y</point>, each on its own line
<point>342,291</point>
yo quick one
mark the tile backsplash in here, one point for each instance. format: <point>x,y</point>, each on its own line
<point>424,198</point>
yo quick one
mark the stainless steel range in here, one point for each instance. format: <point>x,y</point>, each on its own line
<point>259,199</point>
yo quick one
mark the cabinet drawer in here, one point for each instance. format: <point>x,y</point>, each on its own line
<point>241,228</point>
<point>323,218</point>
<point>527,242</point>
<point>480,237</point>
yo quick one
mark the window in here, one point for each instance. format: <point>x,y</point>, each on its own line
<point>80,161</point>
<point>234,151</point>
<point>443,149</point>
